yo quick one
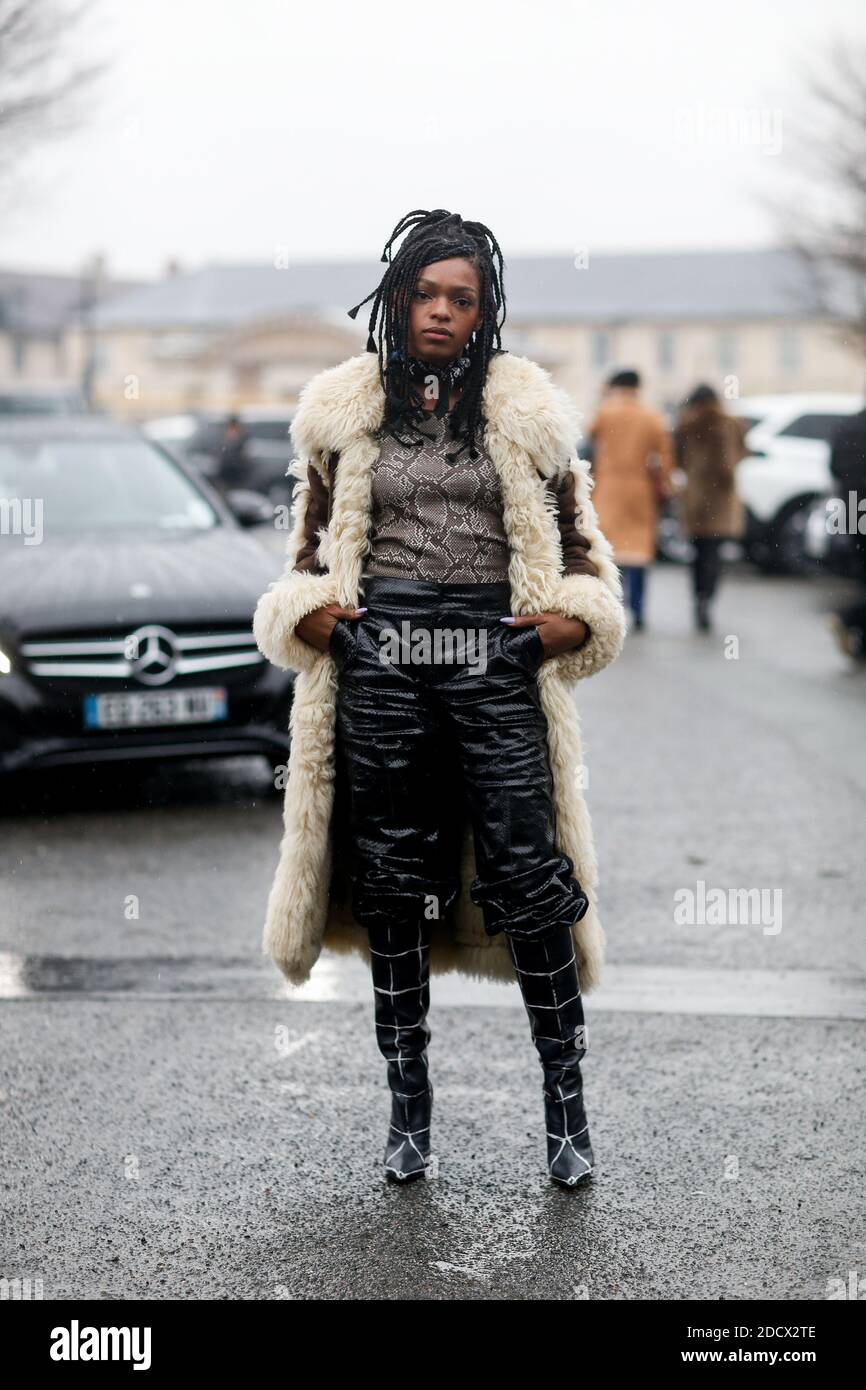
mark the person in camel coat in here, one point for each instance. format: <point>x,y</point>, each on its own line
<point>633,470</point>
<point>434,815</point>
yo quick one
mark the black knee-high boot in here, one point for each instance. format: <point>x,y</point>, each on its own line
<point>400,964</point>
<point>547,973</point>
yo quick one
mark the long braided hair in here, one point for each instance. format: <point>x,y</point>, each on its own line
<point>435,236</point>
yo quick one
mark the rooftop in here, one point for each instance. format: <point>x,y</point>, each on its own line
<point>39,302</point>
<point>635,286</point>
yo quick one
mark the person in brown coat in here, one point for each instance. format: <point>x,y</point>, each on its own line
<point>709,444</point>
<point>633,469</point>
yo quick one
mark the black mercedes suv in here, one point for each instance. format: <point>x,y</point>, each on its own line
<point>127,590</point>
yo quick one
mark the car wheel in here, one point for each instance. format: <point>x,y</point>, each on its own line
<point>790,534</point>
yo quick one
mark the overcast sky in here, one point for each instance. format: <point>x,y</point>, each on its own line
<point>239,132</point>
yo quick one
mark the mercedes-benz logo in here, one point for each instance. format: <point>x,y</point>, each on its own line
<point>153,654</point>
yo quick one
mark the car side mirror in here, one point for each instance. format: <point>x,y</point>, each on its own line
<point>250,508</point>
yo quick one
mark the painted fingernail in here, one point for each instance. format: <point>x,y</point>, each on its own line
<point>361,610</point>
<point>506,620</point>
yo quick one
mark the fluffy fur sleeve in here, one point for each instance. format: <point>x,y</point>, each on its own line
<point>295,594</point>
<point>596,599</point>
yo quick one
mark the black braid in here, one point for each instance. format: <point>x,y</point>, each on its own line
<point>435,236</point>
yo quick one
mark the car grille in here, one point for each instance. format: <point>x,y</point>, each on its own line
<point>97,657</point>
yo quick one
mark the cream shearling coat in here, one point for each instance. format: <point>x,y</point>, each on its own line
<point>531,434</point>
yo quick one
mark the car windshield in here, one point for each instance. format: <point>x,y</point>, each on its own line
<point>812,427</point>
<point>102,485</point>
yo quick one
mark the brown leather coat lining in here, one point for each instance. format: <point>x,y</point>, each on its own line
<point>575,547</point>
<point>317,516</point>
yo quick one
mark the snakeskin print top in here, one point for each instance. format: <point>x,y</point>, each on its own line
<point>432,519</point>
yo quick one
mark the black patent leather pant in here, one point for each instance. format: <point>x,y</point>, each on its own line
<point>438,709</point>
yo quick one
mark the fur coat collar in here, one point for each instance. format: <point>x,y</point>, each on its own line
<point>522,404</point>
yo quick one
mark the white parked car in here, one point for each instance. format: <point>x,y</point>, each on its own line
<point>787,478</point>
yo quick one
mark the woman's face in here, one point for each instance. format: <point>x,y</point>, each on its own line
<point>445,309</point>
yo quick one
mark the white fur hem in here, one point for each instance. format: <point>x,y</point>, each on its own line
<point>281,608</point>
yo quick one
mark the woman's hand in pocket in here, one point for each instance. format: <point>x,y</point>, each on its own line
<point>316,627</point>
<point>557,634</point>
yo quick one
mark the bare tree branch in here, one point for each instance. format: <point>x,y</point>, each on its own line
<point>822,218</point>
<point>45,92</point>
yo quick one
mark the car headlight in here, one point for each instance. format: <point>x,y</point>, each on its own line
<point>5,663</point>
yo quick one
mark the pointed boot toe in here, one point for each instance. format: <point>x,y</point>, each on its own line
<point>570,1159</point>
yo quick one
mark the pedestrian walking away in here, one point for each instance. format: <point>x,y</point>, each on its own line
<point>233,465</point>
<point>708,445</point>
<point>446,586</point>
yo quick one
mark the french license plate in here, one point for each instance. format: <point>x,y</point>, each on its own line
<point>143,709</point>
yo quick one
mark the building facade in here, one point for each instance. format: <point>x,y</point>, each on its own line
<point>226,336</point>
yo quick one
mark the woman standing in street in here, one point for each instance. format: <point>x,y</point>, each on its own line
<point>709,444</point>
<point>434,814</point>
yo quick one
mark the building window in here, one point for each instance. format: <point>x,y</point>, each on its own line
<point>600,349</point>
<point>789,349</point>
<point>665,351</point>
<point>726,351</point>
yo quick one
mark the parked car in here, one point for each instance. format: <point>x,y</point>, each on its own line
<point>127,590</point>
<point>172,432</point>
<point>197,439</point>
<point>787,476</point>
<point>825,547</point>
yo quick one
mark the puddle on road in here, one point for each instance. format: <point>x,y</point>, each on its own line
<point>30,977</point>
<point>626,989</point>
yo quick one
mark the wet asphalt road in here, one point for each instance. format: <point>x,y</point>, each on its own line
<point>177,1123</point>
